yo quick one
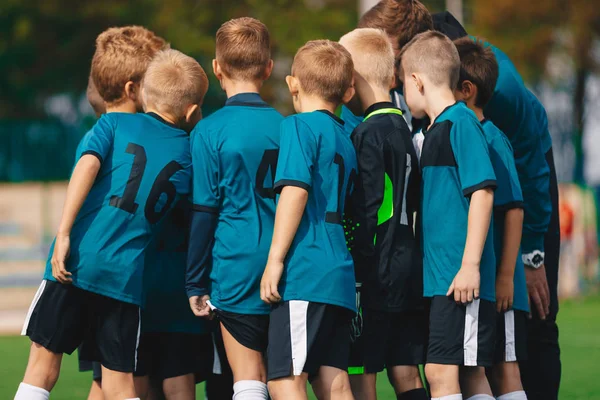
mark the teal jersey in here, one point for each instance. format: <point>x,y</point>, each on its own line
<point>317,155</point>
<point>167,306</point>
<point>508,195</point>
<point>145,167</point>
<point>234,154</point>
<point>455,163</point>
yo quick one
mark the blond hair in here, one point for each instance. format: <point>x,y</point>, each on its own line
<point>243,49</point>
<point>372,54</point>
<point>324,69</point>
<point>122,55</point>
<point>172,82</point>
<point>434,55</point>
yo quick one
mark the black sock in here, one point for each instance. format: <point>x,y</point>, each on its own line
<point>415,394</point>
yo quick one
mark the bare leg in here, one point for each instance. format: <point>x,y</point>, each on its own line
<point>180,387</point>
<point>43,367</point>
<point>96,391</point>
<point>142,386</point>
<point>473,381</point>
<point>289,388</point>
<point>364,387</point>
<point>404,378</point>
<point>443,379</point>
<point>332,384</point>
<point>246,364</point>
<point>505,378</point>
<point>117,385</point>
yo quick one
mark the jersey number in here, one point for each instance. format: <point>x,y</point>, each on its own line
<point>335,217</point>
<point>162,184</point>
<point>268,163</point>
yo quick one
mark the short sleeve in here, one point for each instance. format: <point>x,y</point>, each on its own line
<point>297,155</point>
<point>472,156</point>
<point>99,140</point>
<point>508,194</point>
<point>205,164</point>
<point>182,179</point>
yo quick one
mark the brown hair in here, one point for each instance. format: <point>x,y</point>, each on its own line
<point>243,48</point>
<point>400,19</point>
<point>477,64</point>
<point>174,81</point>
<point>325,69</point>
<point>434,55</point>
<point>122,55</point>
<point>372,55</point>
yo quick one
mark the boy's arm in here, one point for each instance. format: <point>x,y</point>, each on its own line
<point>205,209</point>
<point>290,208</point>
<point>466,283</point>
<point>513,226</point>
<point>82,180</point>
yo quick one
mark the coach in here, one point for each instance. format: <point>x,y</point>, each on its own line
<point>520,115</point>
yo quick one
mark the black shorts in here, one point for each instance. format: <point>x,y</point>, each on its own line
<point>164,355</point>
<point>249,330</point>
<point>390,339</point>
<point>61,317</point>
<point>305,336</point>
<point>461,335</point>
<point>511,336</point>
<point>86,365</point>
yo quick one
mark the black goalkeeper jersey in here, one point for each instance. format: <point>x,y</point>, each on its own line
<point>387,257</point>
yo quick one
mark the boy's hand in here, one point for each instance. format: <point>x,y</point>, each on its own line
<point>270,281</point>
<point>62,249</point>
<point>199,306</point>
<point>537,286</point>
<point>465,284</point>
<point>504,293</point>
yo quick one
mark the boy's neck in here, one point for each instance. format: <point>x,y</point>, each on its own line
<point>236,87</point>
<point>373,95</point>
<point>167,117</point>
<point>438,99</point>
<point>125,107</point>
<point>314,103</point>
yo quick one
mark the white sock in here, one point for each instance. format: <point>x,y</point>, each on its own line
<point>30,392</point>
<point>137,398</point>
<point>518,395</point>
<point>481,397</point>
<point>449,397</point>
<point>250,390</point>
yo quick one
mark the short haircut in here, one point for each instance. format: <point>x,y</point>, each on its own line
<point>372,54</point>
<point>122,55</point>
<point>400,19</point>
<point>174,81</point>
<point>243,49</point>
<point>324,69</point>
<point>477,64</point>
<point>434,55</point>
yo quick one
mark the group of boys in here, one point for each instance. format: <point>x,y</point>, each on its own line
<point>300,238</point>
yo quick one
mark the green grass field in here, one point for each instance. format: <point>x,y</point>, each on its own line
<point>579,322</point>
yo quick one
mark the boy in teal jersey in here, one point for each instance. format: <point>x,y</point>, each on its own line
<point>234,154</point>
<point>479,72</point>
<point>309,277</point>
<point>387,258</point>
<point>457,199</point>
<point>130,170</point>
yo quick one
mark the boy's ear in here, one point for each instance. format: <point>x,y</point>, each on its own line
<point>132,91</point>
<point>349,93</point>
<point>417,81</point>
<point>293,85</point>
<point>268,70</point>
<point>217,69</point>
<point>468,90</point>
<point>190,113</point>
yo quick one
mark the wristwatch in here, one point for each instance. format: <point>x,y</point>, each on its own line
<point>535,259</point>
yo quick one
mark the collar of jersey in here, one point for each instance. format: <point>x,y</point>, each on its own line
<point>332,115</point>
<point>246,99</point>
<point>379,106</point>
<point>161,119</point>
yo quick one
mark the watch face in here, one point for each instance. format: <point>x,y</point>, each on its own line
<point>537,260</point>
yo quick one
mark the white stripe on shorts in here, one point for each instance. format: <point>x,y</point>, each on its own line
<point>510,353</point>
<point>217,370</point>
<point>36,298</point>
<point>471,333</point>
<point>298,334</point>
<point>137,341</point>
